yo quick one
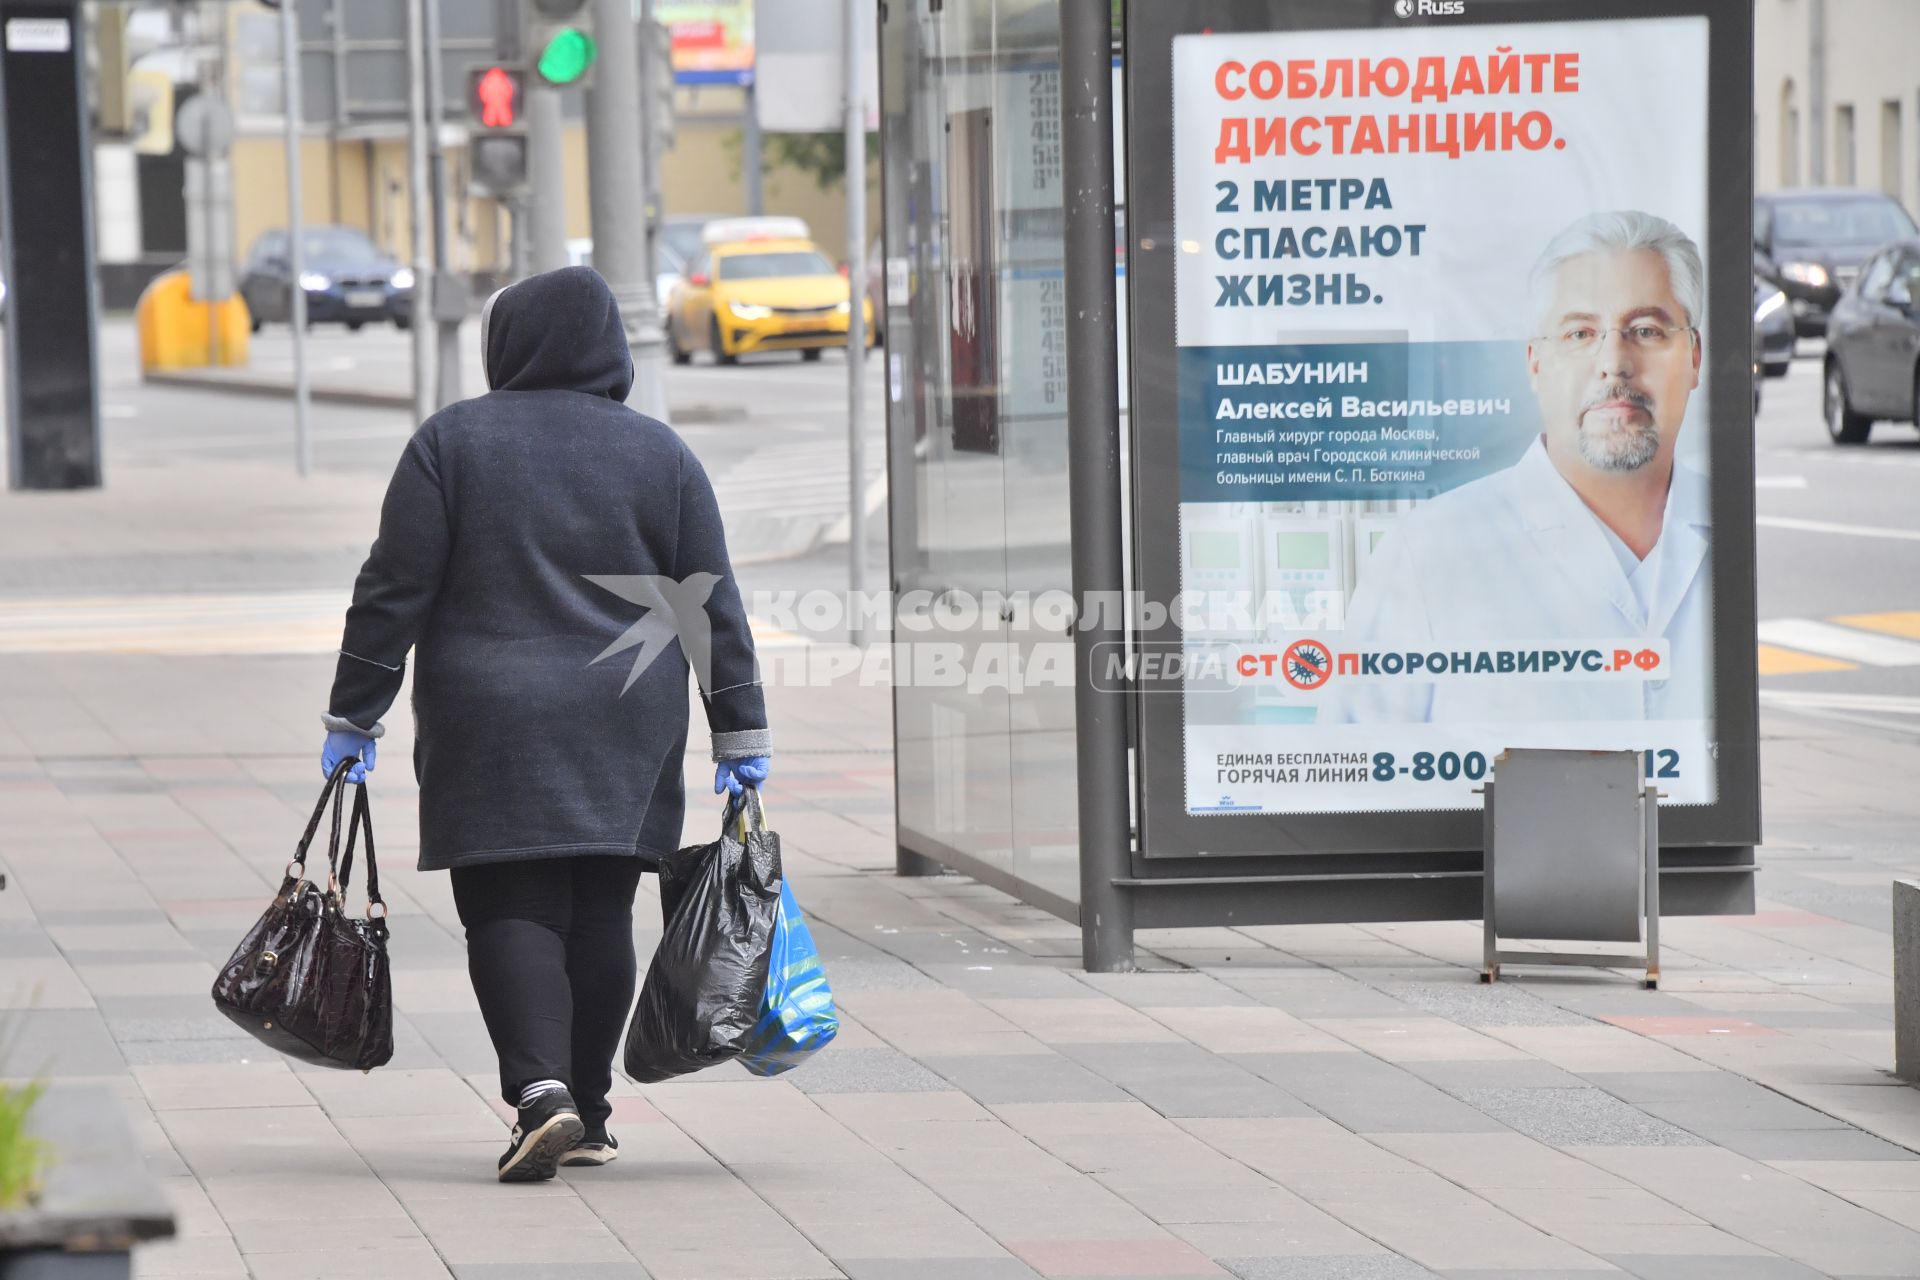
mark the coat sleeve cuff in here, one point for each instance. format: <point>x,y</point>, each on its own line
<point>340,724</point>
<point>742,743</point>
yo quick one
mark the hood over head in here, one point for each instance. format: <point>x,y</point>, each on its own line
<point>557,331</point>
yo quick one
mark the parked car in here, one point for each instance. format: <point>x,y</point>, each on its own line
<point>346,278</point>
<point>1772,329</point>
<point>1810,244</point>
<point>766,291</point>
<point>1872,366</point>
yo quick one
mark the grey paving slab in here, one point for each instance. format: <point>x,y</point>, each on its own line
<point>1474,1004</point>
<point>58,1042</point>
<point>550,1271</point>
<point>108,916</point>
<point>879,1069</point>
<point>1360,1266</point>
<point>1180,1079</point>
<point>175,1008</point>
<point>230,1049</point>
<point>22,941</point>
<point>999,981</point>
<point>459,1038</point>
<point>1840,1143</point>
<point>1820,1019</point>
<point>1038,1077</point>
<point>84,959</point>
<point>1641,1087</point>
<point>1180,989</point>
<point>1341,997</point>
<point>1496,1074</point>
<point>936,1269</point>
<point>1655,1266</point>
<point>1750,1108</point>
<point>1577,1117</point>
<point>209,1025</point>
<point>1365,1094</point>
<point>877,973</point>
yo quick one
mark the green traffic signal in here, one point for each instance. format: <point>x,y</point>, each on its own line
<point>568,54</point>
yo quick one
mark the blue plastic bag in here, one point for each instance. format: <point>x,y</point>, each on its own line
<point>797,1017</point>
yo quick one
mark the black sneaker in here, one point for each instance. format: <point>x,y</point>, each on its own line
<point>541,1135</point>
<point>594,1148</point>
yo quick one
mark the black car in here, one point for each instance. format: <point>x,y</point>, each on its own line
<point>346,278</point>
<point>1810,243</point>
<point>1773,333</point>
<point>1873,346</point>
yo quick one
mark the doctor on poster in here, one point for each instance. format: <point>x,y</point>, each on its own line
<point>1597,532</point>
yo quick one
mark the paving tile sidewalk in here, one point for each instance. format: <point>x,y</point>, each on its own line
<point>1333,1101</point>
<point>1300,1103</point>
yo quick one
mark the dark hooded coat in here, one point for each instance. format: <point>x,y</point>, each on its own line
<point>533,740</point>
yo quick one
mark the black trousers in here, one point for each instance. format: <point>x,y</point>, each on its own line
<point>550,951</point>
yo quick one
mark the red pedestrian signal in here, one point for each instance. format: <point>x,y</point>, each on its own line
<point>494,96</point>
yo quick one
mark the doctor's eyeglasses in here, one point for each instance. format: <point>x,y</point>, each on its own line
<point>1642,335</point>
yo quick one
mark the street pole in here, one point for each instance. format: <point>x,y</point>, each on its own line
<point>297,311</point>
<point>655,140</point>
<point>619,230</point>
<point>751,159</point>
<point>546,201</point>
<point>856,180</point>
<point>449,294</point>
<point>1093,470</point>
<point>417,199</point>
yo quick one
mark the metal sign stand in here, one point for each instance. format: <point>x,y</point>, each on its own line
<point>1563,880</point>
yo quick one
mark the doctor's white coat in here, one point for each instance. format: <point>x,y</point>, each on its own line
<point>1516,559</point>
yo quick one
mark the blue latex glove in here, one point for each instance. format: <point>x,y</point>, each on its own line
<point>737,775</point>
<point>342,745</point>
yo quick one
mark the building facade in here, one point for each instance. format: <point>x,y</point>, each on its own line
<point>1836,96</point>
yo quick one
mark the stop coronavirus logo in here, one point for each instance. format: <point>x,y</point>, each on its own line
<point>1307,664</point>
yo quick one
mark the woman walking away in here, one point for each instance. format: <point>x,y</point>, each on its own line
<point>542,548</point>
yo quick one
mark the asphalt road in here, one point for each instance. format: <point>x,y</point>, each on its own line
<point>1839,561</point>
<point>728,412</point>
<point>1838,538</point>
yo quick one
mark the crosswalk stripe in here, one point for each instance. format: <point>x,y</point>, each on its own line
<point>1775,661</point>
<point>1905,622</point>
<point>1829,526</point>
<point>1844,643</point>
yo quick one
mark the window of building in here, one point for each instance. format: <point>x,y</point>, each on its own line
<point>1845,171</point>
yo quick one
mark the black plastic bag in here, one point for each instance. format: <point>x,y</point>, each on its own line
<point>704,990</point>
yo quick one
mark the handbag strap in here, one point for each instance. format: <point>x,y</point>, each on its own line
<point>331,791</point>
<point>362,820</point>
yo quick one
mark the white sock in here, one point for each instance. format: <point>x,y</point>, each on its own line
<point>539,1089</point>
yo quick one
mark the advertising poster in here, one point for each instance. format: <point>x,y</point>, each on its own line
<point>1443,434</point>
<point>712,39</point>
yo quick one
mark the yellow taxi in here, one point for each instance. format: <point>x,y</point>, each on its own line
<point>759,284</point>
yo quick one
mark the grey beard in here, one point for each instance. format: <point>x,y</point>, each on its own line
<point>1628,449</point>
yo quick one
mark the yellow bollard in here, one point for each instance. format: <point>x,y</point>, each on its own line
<point>178,332</point>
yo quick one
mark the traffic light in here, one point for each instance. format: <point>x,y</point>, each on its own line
<point>497,162</point>
<point>494,96</point>
<point>560,42</point>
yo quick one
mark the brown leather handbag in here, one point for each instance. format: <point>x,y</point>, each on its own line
<point>309,979</point>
